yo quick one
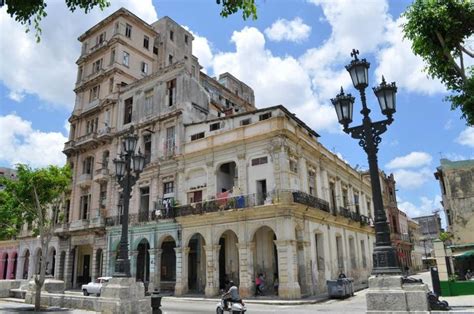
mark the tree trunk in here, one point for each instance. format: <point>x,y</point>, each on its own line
<point>39,282</point>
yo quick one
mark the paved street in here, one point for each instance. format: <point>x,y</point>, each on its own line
<point>356,304</point>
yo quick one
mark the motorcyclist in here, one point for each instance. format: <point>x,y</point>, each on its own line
<point>232,295</point>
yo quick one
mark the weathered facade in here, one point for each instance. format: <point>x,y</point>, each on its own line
<point>456,179</point>
<point>228,191</point>
<point>417,246</point>
<point>430,228</point>
<point>397,220</point>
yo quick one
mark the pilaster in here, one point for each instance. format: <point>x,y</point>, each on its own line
<point>181,286</point>
<point>246,268</point>
<point>289,287</point>
<point>212,270</point>
<point>155,268</point>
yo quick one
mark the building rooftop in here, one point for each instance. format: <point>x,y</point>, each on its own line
<point>448,164</point>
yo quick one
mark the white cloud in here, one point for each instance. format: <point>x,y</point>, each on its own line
<point>466,137</point>
<point>22,144</point>
<point>398,63</point>
<point>295,30</point>
<point>48,69</point>
<point>425,206</point>
<point>412,160</point>
<point>449,124</point>
<point>409,179</point>
<point>275,80</point>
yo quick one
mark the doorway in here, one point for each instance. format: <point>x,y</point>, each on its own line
<point>261,191</point>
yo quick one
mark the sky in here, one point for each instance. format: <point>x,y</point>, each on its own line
<point>294,54</point>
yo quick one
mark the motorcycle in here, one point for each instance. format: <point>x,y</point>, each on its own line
<point>234,308</point>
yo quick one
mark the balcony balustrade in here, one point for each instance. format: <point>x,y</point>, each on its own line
<point>234,203</point>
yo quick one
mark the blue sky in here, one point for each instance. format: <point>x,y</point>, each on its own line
<point>294,55</point>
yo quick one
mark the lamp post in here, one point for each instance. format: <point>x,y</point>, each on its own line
<point>368,134</point>
<point>127,162</point>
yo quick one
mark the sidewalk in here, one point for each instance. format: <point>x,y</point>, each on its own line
<point>253,300</point>
<point>269,300</point>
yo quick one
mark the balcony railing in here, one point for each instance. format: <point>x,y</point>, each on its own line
<point>310,200</point>
<point>237,202</point>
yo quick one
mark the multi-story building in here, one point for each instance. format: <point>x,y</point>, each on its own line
<point>430,228</point>
<point>397,220</point>
<point>456,179</point>
<point>228,191</point>
<point>417,246</point>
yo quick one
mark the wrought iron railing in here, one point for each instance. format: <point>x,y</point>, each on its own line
<point>310,200</point>
<point>236,202</point>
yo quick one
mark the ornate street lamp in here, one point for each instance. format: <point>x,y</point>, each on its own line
<point>368,134</point>
<point>124,169</point>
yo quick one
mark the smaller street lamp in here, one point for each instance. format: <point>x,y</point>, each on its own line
<point>125,164</point>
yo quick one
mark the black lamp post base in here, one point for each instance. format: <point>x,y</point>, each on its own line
<point>122,268</point>
<point>385,261</point>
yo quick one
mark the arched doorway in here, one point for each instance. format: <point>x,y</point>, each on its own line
<point>168,265</point>
<point>99,262</point>
<point>51,264</point>
<point>62,264</point>
<point>196,264</point>
<point>228,259</point>
<point>5,266</point>
<point>143,262</point>
<point>26,265</point>
<point>266,257</point>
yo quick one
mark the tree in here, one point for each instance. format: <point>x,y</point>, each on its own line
<point>33,11</point>
<point>439,30</point>
<point>36,197</point>
<point>229,7</point>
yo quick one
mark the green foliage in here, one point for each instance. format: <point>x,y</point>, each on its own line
<point>28,12</point>
<point>229,7</point>
<point>34,197</point>
<point>445,236</point>
<point>438,30</point>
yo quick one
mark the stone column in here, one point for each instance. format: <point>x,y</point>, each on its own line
<point>181,286</point>
<point>242,173</point>
<point>133,262</point>
<point>319,182</point>
<point>68,269</point>
<point>211,179</point>
<point>303,174</point>
<point>94,264</point>
<point>246,271</point>
<point>20,267</point>
<point>155,269</point>
<point>289,287</point>
<point>11,261</point>
<point>307,279</point>
<point>57,265</point>
<point>326,194</point>
<point>212,270</point>
<point>111,262</point>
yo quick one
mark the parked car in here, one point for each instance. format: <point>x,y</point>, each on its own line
<point>95,287</point>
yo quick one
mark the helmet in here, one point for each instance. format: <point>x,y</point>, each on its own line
<point>231,283</point>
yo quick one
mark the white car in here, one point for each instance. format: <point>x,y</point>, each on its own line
<point>94,287</point>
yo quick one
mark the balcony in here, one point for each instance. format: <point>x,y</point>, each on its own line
<point>133,219</point>
<point>69,147</point>
<point>91,106</point>
<point>85,177</point>
<point>101,174</point>
<point>309,200</point>
<point>83,224</point>
<point>88,139</point>
<point>61,227</point>
<point>105,133</point>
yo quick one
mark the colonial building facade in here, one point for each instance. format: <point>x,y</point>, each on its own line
<point>229,191</point>
<point>457,188</point>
